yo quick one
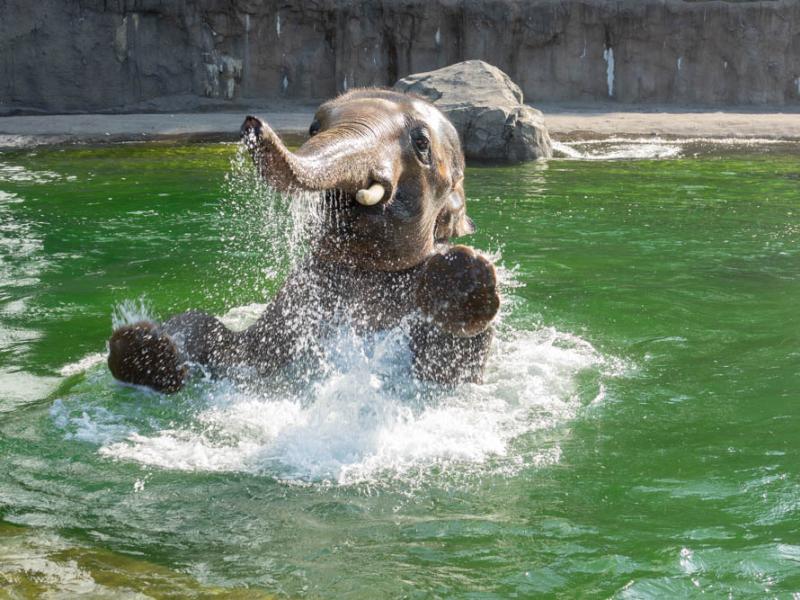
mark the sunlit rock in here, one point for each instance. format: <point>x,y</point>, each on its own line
<point>486,108</point>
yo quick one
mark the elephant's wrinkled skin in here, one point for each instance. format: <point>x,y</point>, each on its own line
<point>391,170</point>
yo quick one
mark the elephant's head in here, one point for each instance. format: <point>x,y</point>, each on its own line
<point>391,169</point>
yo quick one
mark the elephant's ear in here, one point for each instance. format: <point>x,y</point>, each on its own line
<point>452,220</point>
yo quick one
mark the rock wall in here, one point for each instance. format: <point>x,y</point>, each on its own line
<point>118,55</point>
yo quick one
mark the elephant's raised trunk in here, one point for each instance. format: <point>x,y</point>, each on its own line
<point>333,159</point>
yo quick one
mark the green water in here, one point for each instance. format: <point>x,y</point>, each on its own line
<point>637,436</point>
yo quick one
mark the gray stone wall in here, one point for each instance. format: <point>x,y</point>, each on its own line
<point>118,55</point>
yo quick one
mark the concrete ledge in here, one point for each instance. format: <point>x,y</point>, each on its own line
<point>563,123</point>
<point>25,131</point>
<point>609,120</point>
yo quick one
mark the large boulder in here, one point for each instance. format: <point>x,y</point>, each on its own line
<point>487,110</point>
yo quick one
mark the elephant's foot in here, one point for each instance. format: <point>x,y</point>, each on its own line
<point>458,291</point>
<point>143,355</point>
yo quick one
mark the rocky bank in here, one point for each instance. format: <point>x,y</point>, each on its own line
<point>129,55</point>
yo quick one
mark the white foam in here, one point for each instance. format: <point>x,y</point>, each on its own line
<point>366,418</point>
<point>9,198</point>
<point>97,425</point>
<point>619,150</point>
<point>649,147</point>
<point>18,388</point>
<point>728,141</point>
<point>84,364</point>
<point>19,174</point>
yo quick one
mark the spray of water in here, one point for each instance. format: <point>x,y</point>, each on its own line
<point>263,231</point>
<point>132,311</point>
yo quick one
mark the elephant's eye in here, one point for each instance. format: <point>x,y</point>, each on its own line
<point>421,144</point>
<point>314,129</point>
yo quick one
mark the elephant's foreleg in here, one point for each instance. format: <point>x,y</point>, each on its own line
<point>445,358</point>
<point>204,340</point>
<point>146,353</point>
<point>158,356</point>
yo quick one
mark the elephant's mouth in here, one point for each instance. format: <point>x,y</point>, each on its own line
<point>375,196</point>
<point>337,201</point>
<point>351,219</point>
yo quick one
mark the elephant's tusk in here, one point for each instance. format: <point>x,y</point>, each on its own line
<point>371,195</point>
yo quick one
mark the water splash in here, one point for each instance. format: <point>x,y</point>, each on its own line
<point>360,418</point>
<point>355,413</point>
<point>132,311</point>
<point>660,147</point>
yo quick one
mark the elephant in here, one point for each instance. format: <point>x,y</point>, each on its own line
<point>389,171</point>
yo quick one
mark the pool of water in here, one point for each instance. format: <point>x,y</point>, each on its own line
<point>636,437</point>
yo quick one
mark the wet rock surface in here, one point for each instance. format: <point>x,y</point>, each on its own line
<point>486,108</point>
<point>150,55</point>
